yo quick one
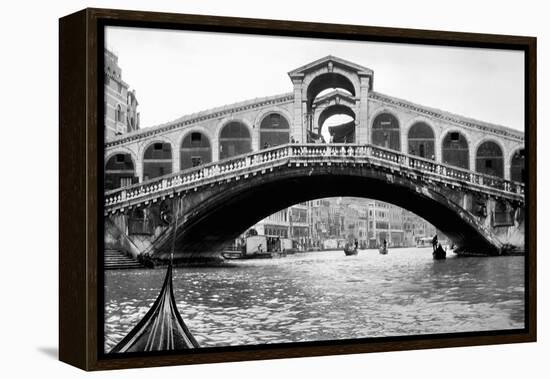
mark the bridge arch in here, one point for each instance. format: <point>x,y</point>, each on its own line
<point>157,159</point>
<point>517,165</point>
<point>455,149</point>
<point>195,148</point>
<point>347,132</point>
<point>489,157</point>
<point>320,82</point>
<point>234,137</point>
<point>386,129</point>
<point>294,184</point>
<point>120,169</point>
<point>273,127</point>
<point>421,139</point>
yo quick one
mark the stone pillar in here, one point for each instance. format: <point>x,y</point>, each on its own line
<point>297,130</point>
<point>215,149</point>
<point>403,133</point>
<point>507,164</point>
<point>472,153</point>
<point>362,131</point>
<point>438,144</point>
<point>139,169</point>
<point>176,159</point>
<point>139,161</point>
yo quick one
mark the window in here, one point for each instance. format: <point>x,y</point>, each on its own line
<point>118,114</point>
<point>455,136</point>
<point>196,137</point>
<point>158,146</point>
<point>275,120</point>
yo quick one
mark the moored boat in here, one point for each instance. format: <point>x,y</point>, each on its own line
<point>231,255</point>
<point>350,249</point>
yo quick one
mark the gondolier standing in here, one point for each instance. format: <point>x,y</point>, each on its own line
<point>434,242</point>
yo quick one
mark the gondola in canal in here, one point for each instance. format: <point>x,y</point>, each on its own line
<point>383,249</point>
<point>351,249</point>
<point>162,327</point>
<point>439,253</point>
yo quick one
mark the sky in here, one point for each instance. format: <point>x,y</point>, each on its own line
<point>176,73</point>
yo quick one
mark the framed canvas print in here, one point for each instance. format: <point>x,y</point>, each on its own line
<point>238,189</point>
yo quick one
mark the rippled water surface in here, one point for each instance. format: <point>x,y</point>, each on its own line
<point>326,296</point>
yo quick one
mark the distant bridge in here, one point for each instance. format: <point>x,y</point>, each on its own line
<point>234,165</point>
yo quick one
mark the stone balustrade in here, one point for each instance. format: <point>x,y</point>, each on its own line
<point>320,153</point>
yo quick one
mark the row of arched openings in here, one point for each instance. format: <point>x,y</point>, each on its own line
<point>195,149</point>
<point>235,139</point>
<point>455,150</point>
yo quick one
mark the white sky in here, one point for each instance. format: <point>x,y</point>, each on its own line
<point>176,73</point>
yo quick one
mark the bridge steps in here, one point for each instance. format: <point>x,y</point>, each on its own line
<point>116,260</point>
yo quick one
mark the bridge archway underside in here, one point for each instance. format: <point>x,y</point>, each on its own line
<point>213,196</point>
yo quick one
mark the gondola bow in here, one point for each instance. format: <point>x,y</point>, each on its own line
<point>162,328</point>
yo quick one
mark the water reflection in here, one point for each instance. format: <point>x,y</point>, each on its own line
<point>326,296</point>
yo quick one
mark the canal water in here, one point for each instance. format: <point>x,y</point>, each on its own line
<point>326,296</point>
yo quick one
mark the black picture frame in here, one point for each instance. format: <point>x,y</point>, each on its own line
<point>81,185</point>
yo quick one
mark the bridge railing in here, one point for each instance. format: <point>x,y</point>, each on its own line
<point>196,174</point>
<point>234,165</point>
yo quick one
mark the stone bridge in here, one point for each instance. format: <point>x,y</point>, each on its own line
<point>463,175</point>
<point>217,201</point>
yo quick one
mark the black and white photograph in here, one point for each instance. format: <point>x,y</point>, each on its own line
<point>270,190</point>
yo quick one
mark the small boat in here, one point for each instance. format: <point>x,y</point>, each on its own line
<point>350,249</point>
<point>232,255</point>
<point>383,250</point>
<point>162,327</point>
<point>439,253</point>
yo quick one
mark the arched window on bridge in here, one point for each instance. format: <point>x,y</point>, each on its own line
<point>455,150</point>
<point>195,150</point>
<point>119,171</point>
<point>489,159</point>
<point>321,86</point>
<point>517,166</point>
<point>234,140</point>
<point>337,124</point>
<point>326,83</point>
<point>274,131</point>
<point>385,132</point>
<point>422,141</point>
<point>157,160</point>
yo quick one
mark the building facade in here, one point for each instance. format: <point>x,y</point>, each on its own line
<point>293,223</point>
<point>120,103</point>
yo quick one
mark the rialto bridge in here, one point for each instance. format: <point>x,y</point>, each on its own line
<point>463,175</point>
